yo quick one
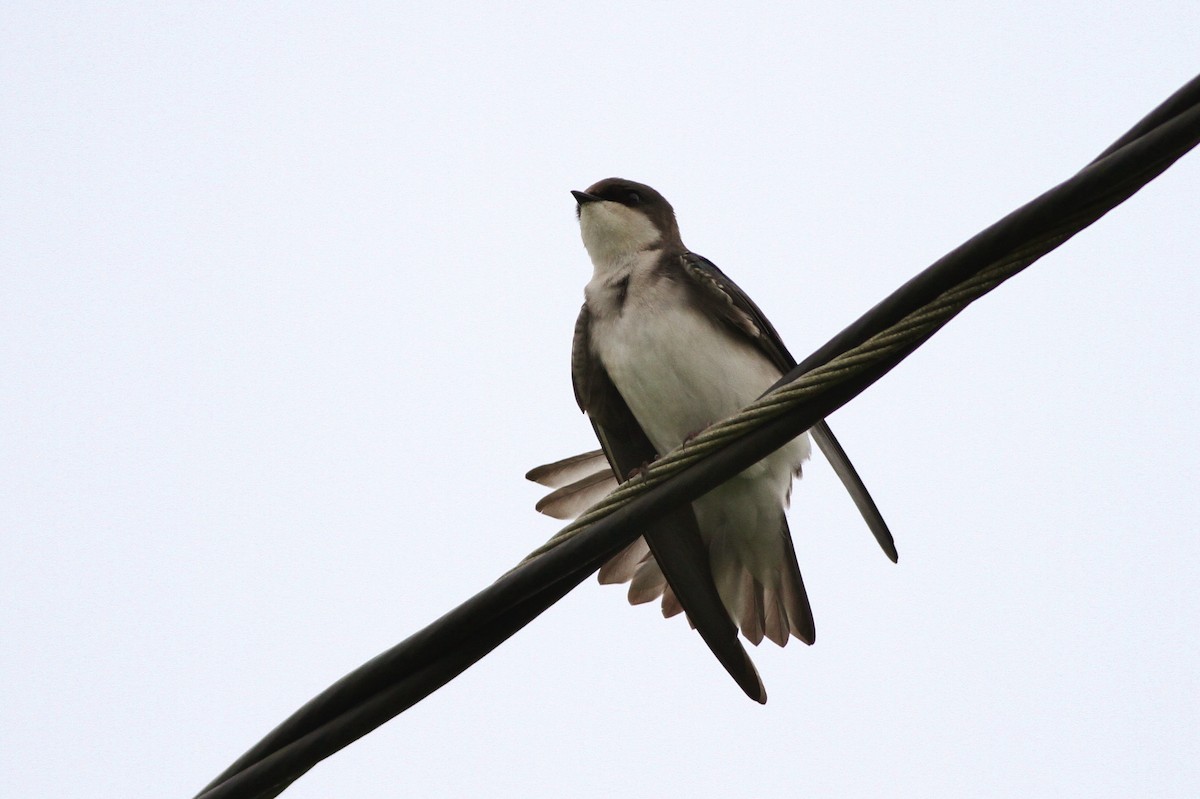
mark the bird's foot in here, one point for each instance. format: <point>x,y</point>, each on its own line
<point>638,471</point>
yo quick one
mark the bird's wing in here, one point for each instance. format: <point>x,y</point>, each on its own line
<point>674,538</point>
<point>845,470</point>
<point>579,482</point>
<point>727,302</point>
<point>724,300</point>
<point>571,500</point>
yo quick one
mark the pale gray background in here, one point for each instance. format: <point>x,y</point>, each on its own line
<point>285,310</point>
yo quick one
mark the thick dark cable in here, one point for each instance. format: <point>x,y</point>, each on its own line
<point>405,674</point>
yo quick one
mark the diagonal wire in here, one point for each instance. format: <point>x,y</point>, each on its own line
<point>920,324</point>
<point>842,368</point>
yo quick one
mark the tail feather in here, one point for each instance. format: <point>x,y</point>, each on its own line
<point>622,567</point>
<point>795,602</point>
<point>750,604</point>
<point>670,605</point>
<point>775,624</point>
<point>762,587</point>
<point>764,594</point>
<point>648,584</point>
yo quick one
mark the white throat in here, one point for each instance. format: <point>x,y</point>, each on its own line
<point>615,235</point>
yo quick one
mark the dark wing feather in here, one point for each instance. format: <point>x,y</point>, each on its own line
<point>845,470</point>
<point>674,539</point>
<point>726,301</point>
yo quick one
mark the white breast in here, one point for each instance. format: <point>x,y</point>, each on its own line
<point>676,369</point>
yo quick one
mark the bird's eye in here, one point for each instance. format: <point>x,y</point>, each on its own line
<point>633,198</point>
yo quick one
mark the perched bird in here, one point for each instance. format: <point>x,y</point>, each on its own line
<point>665,345</point>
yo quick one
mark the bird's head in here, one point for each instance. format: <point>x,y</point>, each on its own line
<point>619,218</point>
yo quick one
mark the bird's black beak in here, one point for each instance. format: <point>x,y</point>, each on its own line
<point>583,198</point>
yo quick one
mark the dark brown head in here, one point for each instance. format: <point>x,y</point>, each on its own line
<point>619,217</point>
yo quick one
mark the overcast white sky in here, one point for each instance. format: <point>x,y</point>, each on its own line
<point>285,313</point>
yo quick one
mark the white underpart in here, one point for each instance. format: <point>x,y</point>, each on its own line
<point>612,232</point>
<point>680,372</point>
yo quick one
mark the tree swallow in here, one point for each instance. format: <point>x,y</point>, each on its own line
<point>665,345</point>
